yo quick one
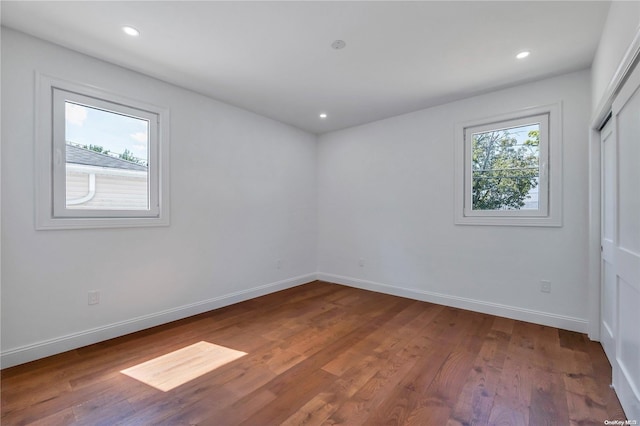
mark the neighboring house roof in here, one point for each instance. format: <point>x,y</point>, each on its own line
<point>78,155</point>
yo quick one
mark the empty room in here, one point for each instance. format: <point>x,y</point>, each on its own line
<point>320,212</point>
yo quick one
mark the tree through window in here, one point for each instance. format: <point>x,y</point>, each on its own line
<point>506,168</point>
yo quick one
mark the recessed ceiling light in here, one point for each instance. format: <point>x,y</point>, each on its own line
<point>131,31</point>
<point>522,55</point>
<point>323,115</point>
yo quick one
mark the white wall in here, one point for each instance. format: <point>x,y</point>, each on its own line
<point>623,22</point>
<point>386,196</point>
<point>240,201</point>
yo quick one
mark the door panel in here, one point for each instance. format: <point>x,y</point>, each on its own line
<point>609,292</point>
<point>608,182</point>
<point>620,311</point>
<point>609,303</point>
<point>629,354</point>
<point>628,130</point>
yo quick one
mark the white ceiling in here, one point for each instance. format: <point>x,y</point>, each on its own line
<point>275,58</point>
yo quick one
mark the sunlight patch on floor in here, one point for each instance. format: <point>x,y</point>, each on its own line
<point>178,367</point>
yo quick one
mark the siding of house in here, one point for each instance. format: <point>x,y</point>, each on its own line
<point>112,191</point>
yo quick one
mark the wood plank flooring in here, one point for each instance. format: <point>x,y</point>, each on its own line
<point>322,353</point>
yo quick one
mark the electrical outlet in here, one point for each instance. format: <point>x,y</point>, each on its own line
<point>361,262</point>
<point>545,286</point>
<point>94,297</point>
<point>279,264</point>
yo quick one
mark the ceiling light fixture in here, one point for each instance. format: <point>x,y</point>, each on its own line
<point>131,31</point>
<point>323,115</point>
<point>522,55</point>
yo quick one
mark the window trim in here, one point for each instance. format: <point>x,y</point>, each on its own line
<point>550,211</point>
<point>51,213</point>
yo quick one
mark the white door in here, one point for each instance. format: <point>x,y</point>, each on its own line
<point>621,245</point>
<point>608,296</point>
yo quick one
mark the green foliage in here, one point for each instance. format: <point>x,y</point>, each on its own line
<point>128,156</point>
<point>503,171</point>
<point>96,148</point>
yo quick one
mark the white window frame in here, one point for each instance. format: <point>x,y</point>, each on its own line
<point>549,212</point>
<point>51,208</point>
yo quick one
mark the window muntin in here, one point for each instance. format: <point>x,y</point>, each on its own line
<point>506,167</point>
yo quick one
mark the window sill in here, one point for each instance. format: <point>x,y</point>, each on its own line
<point>509,221</point>
<point>93,223</point>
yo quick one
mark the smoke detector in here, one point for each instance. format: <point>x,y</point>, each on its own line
<point>338,44</point>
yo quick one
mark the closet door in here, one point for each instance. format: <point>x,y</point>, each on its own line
<point>626,246</point>
<point>609,295</point>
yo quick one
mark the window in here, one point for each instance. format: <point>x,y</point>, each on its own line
<point>508,169</point>
<point>102,159</point>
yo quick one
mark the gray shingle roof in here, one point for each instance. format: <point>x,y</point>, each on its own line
<point>78,155</point>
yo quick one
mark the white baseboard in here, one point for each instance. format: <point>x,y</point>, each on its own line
<point>61,344</point>
<point>537,317</point>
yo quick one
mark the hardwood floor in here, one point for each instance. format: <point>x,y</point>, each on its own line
<point>327,354</point>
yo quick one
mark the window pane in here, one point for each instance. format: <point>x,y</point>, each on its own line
<point>506,168</point>
<point>106,159</point>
